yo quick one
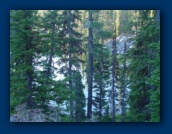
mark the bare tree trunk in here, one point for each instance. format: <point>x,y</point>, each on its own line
<point>90,68</point>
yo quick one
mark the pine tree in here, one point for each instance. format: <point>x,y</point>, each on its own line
<point>121,74</point>
<point>23,43</point>
<point>100,78</point>
<point>142,53</point>
<point>101,65</point>
<point>32,52</point>
<point>47,50</point>
<point>95,29</point>
<point>79,97</point>
<point>154,80</point>
<point>51,25</point>
<point>71,48</point>
<point>115,66</point>
<point>125,29</point>
<point>123,87</point>
<point>90,66</point>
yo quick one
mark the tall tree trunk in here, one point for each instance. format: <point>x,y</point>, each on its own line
<point>70,63</point>
<point>90,68</point>
<point>70,80</point>
<point>123,88</point>
<point>113,78</point>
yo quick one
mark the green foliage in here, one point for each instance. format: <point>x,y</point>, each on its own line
<point>23,41</point>
<point>79,97</point>
<point>104,34</point>
<point>97,25</point>
<point>106,119</point>
<point>154,80</point>
<point>66,118</point>
<point>100,78</point>
<point>36,41</point>
<point>110,118</point>
<point>126,21</point>
<point>144,99</point>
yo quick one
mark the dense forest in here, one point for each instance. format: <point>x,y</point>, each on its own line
<point>84,65</point>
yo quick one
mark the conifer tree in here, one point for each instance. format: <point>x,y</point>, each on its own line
<point>90,66</point>
<point>118,49</point>
<point>142,53</point>
<point>49,48</point>
<point>100,78</point>
<point>115,66</point>
<point>23,43</point>
<point>79,97</point>
<point>154,80</point>
<point>71,48</point>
